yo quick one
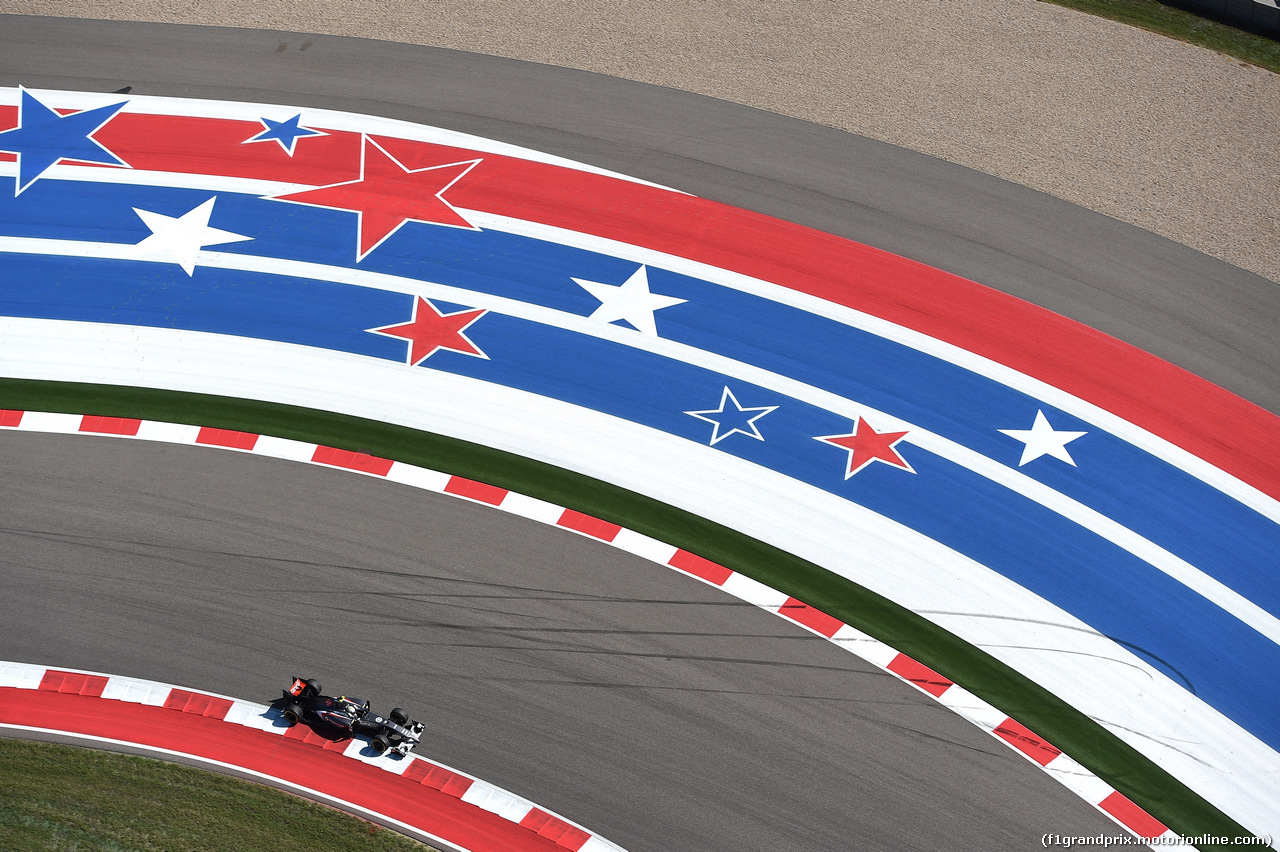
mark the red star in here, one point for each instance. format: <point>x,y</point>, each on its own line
<point>866,445</point>
<point>386,195</point>
<point>430,330</point>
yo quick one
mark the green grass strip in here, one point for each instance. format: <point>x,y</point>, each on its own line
<point>64,797</point>
<point>1120,765</point>
<point>1185,26</point>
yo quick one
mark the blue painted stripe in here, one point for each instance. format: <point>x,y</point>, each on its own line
<point>1153,498</point>
<point>1094,580</point>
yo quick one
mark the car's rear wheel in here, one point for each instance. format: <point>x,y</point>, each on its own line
<point>399,716</point>
<point>292,714</point>
<point>379,743</point>
<point>313,686</point>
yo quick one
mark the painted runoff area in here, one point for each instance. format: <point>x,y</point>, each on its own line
<point>509,287</point>
<point>1009,731</point>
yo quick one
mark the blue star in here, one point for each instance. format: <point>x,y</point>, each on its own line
<point>733,418</point>
<point>43,138</point>
<point>286,133</point>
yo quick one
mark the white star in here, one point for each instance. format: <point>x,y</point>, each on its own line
<point>630,301</point>
<point>1043,440</point>
<point>750,422</point>
<point>179,239</point>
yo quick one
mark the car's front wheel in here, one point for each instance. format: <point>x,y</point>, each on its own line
<point>399,716</point>
<point>379,743</point>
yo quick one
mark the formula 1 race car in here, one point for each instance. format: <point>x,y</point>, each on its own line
<point>302,702</point>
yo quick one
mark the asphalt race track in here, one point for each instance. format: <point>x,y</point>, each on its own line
<point>656,711</point>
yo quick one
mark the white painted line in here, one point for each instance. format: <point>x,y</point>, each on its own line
<point>136,691</point>
<point>643,546</point>
<point>754,592</point>
<point>283,448</point>
<point>417,477</point>
<point>46,421</point>
<point>497,801</point>
<point>867,647</point>
<point>358,749</point>
<point>531,508</point>
<point>21,675</point>
<point>172,433</point>
<point>973,708</point>
<point>598,844</point>
<point>260,717</point>
<point>1075,777</point>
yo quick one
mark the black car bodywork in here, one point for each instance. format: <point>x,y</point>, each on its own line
<point>394,733</point>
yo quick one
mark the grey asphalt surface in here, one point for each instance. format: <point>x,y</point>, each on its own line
<point>1212,318</point>
<point>648,707</point>
<point>651,708</point>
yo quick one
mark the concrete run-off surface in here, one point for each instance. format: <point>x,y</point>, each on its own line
<point>1170,137</point>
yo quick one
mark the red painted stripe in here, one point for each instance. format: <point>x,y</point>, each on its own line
<point>422,771</point>
<point>178,699</point>
<point>73,683</point>
<point>593,527</point>
<point>418,771</point>
<point>362,462</point>
<point>300,732</point>
<point>1153,394</point>
<point>9,417</point>
<point>491,494</point>
<point>801,613</point>
<point>457,786</point>
<point>919,674</point>
<point>109,425</point>
<point>1026,741</point>
<point>340,746</point>
<point>1135,818</point>
<point>198,703</point>
<point>227,438</point>
<point>303,734</point>
<point>691,563</point>
<point>214,147</point>
<point>555,829</point>
<point>366,786</point>
<point>438,778</point>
